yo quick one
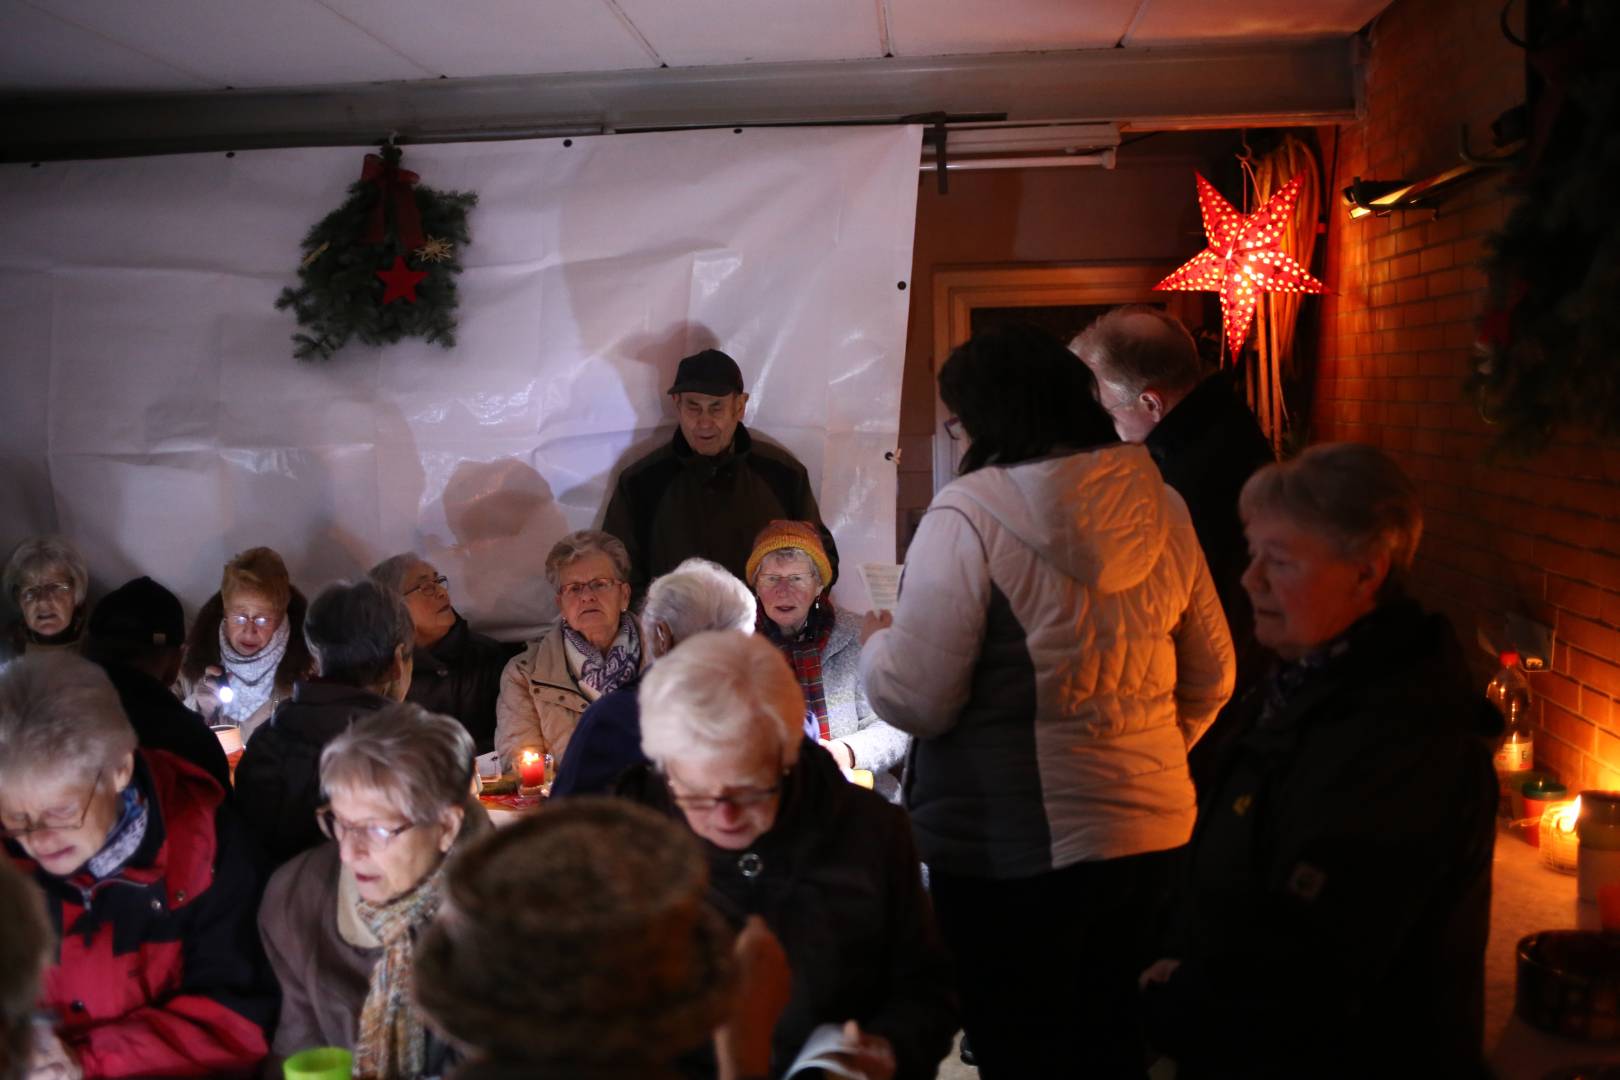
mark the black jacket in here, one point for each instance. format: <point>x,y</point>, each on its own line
<point>676,503</point>
<point>839,884</point>
<point>278,780</point>
<point>1206,448</point>
<point>1334,915</point>
<point>161,722</point>
<point>460,677</point>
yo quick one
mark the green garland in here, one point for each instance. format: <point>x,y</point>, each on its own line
<point>1551,335</point>
<point>340,294</point>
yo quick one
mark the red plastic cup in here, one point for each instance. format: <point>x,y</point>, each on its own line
<point>1608,898</point>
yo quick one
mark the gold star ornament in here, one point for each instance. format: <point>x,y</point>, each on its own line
<point>437,249</point>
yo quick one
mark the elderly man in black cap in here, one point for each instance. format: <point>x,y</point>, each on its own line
<point>710,491</point>
<point>135,634</point>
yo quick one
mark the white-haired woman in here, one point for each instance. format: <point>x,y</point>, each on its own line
<point>48,580</point>
<point>828,865</point>
<point>593,648</point>
<point>697,595</point>
<point>361,638</point>
<point>153,884</point>
<point>340,921</point>
<point>1359,763</point>
<point>457,671</point>
<point>792,575</point>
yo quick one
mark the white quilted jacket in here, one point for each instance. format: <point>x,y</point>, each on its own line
<point>1058,645</point>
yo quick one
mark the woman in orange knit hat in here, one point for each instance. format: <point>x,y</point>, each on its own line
<point>792,577</point>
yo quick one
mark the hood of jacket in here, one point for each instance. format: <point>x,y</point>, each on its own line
<point>1099,516</point>
<point>202,644</point>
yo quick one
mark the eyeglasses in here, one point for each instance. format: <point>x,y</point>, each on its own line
<point>239,620</point>
<point>737,800</point>
<point>953,427</point>
<point>54,820</point>
<point>50,590</point>
<point>438,582</point>
<point>597,586</point>
<point>374,836</point>
<point>795,581</point>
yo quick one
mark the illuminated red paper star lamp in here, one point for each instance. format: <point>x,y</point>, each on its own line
<point>400,281</point>
<point>1244,258</point>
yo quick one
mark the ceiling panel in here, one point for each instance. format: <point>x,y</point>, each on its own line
<point>694,32</point>
<point>245,42</point>
<point>41,52</point>
<point>502,37</point>
<point>1185,22</point>
<point>946,27</point>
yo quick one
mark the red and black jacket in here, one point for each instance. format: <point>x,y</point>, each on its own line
<point>160,971</point>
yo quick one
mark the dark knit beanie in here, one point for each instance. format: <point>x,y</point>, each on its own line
<point>576,940</point>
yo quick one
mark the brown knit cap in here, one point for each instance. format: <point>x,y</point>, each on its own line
<point>784,535</point>
<point>578,937</point>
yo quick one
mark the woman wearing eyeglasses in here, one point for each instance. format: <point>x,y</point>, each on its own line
<point>340,921</point>
<point>151,885</point>
<point>791,574</point>
<point>362,637</point>
<point>246,647</point>
<point>47,579</point>
<point>456,672</point>
<point>829,866</point>
<point>593,648</point>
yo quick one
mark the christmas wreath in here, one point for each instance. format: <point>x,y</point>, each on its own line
<point>1550,337</point>
<point>383,265</point>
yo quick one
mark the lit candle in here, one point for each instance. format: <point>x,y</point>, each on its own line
<point>531,768</point>
<point>1559,842</point>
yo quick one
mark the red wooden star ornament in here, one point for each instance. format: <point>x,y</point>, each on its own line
<point>1244,258</point>
<point>400,281</point>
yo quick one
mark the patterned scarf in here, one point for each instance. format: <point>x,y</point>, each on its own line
<point>124,839</point>
<point>252,678</point>
<point>804,650</point>
<point>391,1043</point>
<point>607,672</point>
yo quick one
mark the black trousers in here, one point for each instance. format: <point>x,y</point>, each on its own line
<point>1047,965</point>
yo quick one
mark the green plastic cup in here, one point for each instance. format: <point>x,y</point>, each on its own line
<point>321,1063</point>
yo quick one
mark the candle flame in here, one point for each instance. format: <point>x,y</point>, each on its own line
<point>530,757</point>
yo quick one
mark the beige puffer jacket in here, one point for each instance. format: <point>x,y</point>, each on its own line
<point>1058,645</point>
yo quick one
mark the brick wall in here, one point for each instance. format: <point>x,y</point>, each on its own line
<point>1541,536</point>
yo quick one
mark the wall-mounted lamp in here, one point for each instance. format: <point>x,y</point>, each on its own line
<point>1368,197</point>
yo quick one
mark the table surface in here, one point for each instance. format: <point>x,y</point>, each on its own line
<point>1526,897</point>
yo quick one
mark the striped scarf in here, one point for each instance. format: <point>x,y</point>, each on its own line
<point>803,651</point>
<point>391,1043</point>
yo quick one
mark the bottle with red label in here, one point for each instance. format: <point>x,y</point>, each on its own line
<point>1509,691</point>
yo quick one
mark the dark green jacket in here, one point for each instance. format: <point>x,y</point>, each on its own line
<point>676,503</point>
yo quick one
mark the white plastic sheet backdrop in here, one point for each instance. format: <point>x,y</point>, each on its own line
<point>152,410</point>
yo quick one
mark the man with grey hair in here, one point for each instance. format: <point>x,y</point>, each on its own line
<point>710,491</point>
<point>697,595</point>
<point>1206,443</point>
<point>361,637</point>
<point>457,672</point>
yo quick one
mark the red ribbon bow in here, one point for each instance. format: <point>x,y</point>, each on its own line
<point>393,185</point>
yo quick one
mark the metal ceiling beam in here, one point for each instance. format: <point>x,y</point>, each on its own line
<point>1259,84</point>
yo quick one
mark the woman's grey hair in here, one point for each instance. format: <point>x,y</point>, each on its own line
<point>36,557</point>
<point>577,545</point>
<point>60,715</point>
<point>1351,493</point>
<point>419,761</point>
<point>390,573</point>
<point>25,948</point>
<point>353,631</point>
<point>716,691</point>
<point>792,552</point>
<point>698,595</point>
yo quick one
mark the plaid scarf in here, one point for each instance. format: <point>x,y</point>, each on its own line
<point>391,1043</point>
<point>803,651</point>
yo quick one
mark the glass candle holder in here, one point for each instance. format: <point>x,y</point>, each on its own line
<point>1559,842</point>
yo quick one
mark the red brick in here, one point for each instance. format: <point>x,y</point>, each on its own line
<point>1579,733</point>
<point>1600,674</point>
<point>1589,636</point>
<point>1600,773</point>
<point>1444,282</point>
<point>1605,569</point>
<point>1575,597</point>
<point>1553,687</point>
<point>1437,258</point>
<point>1405,266</point>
